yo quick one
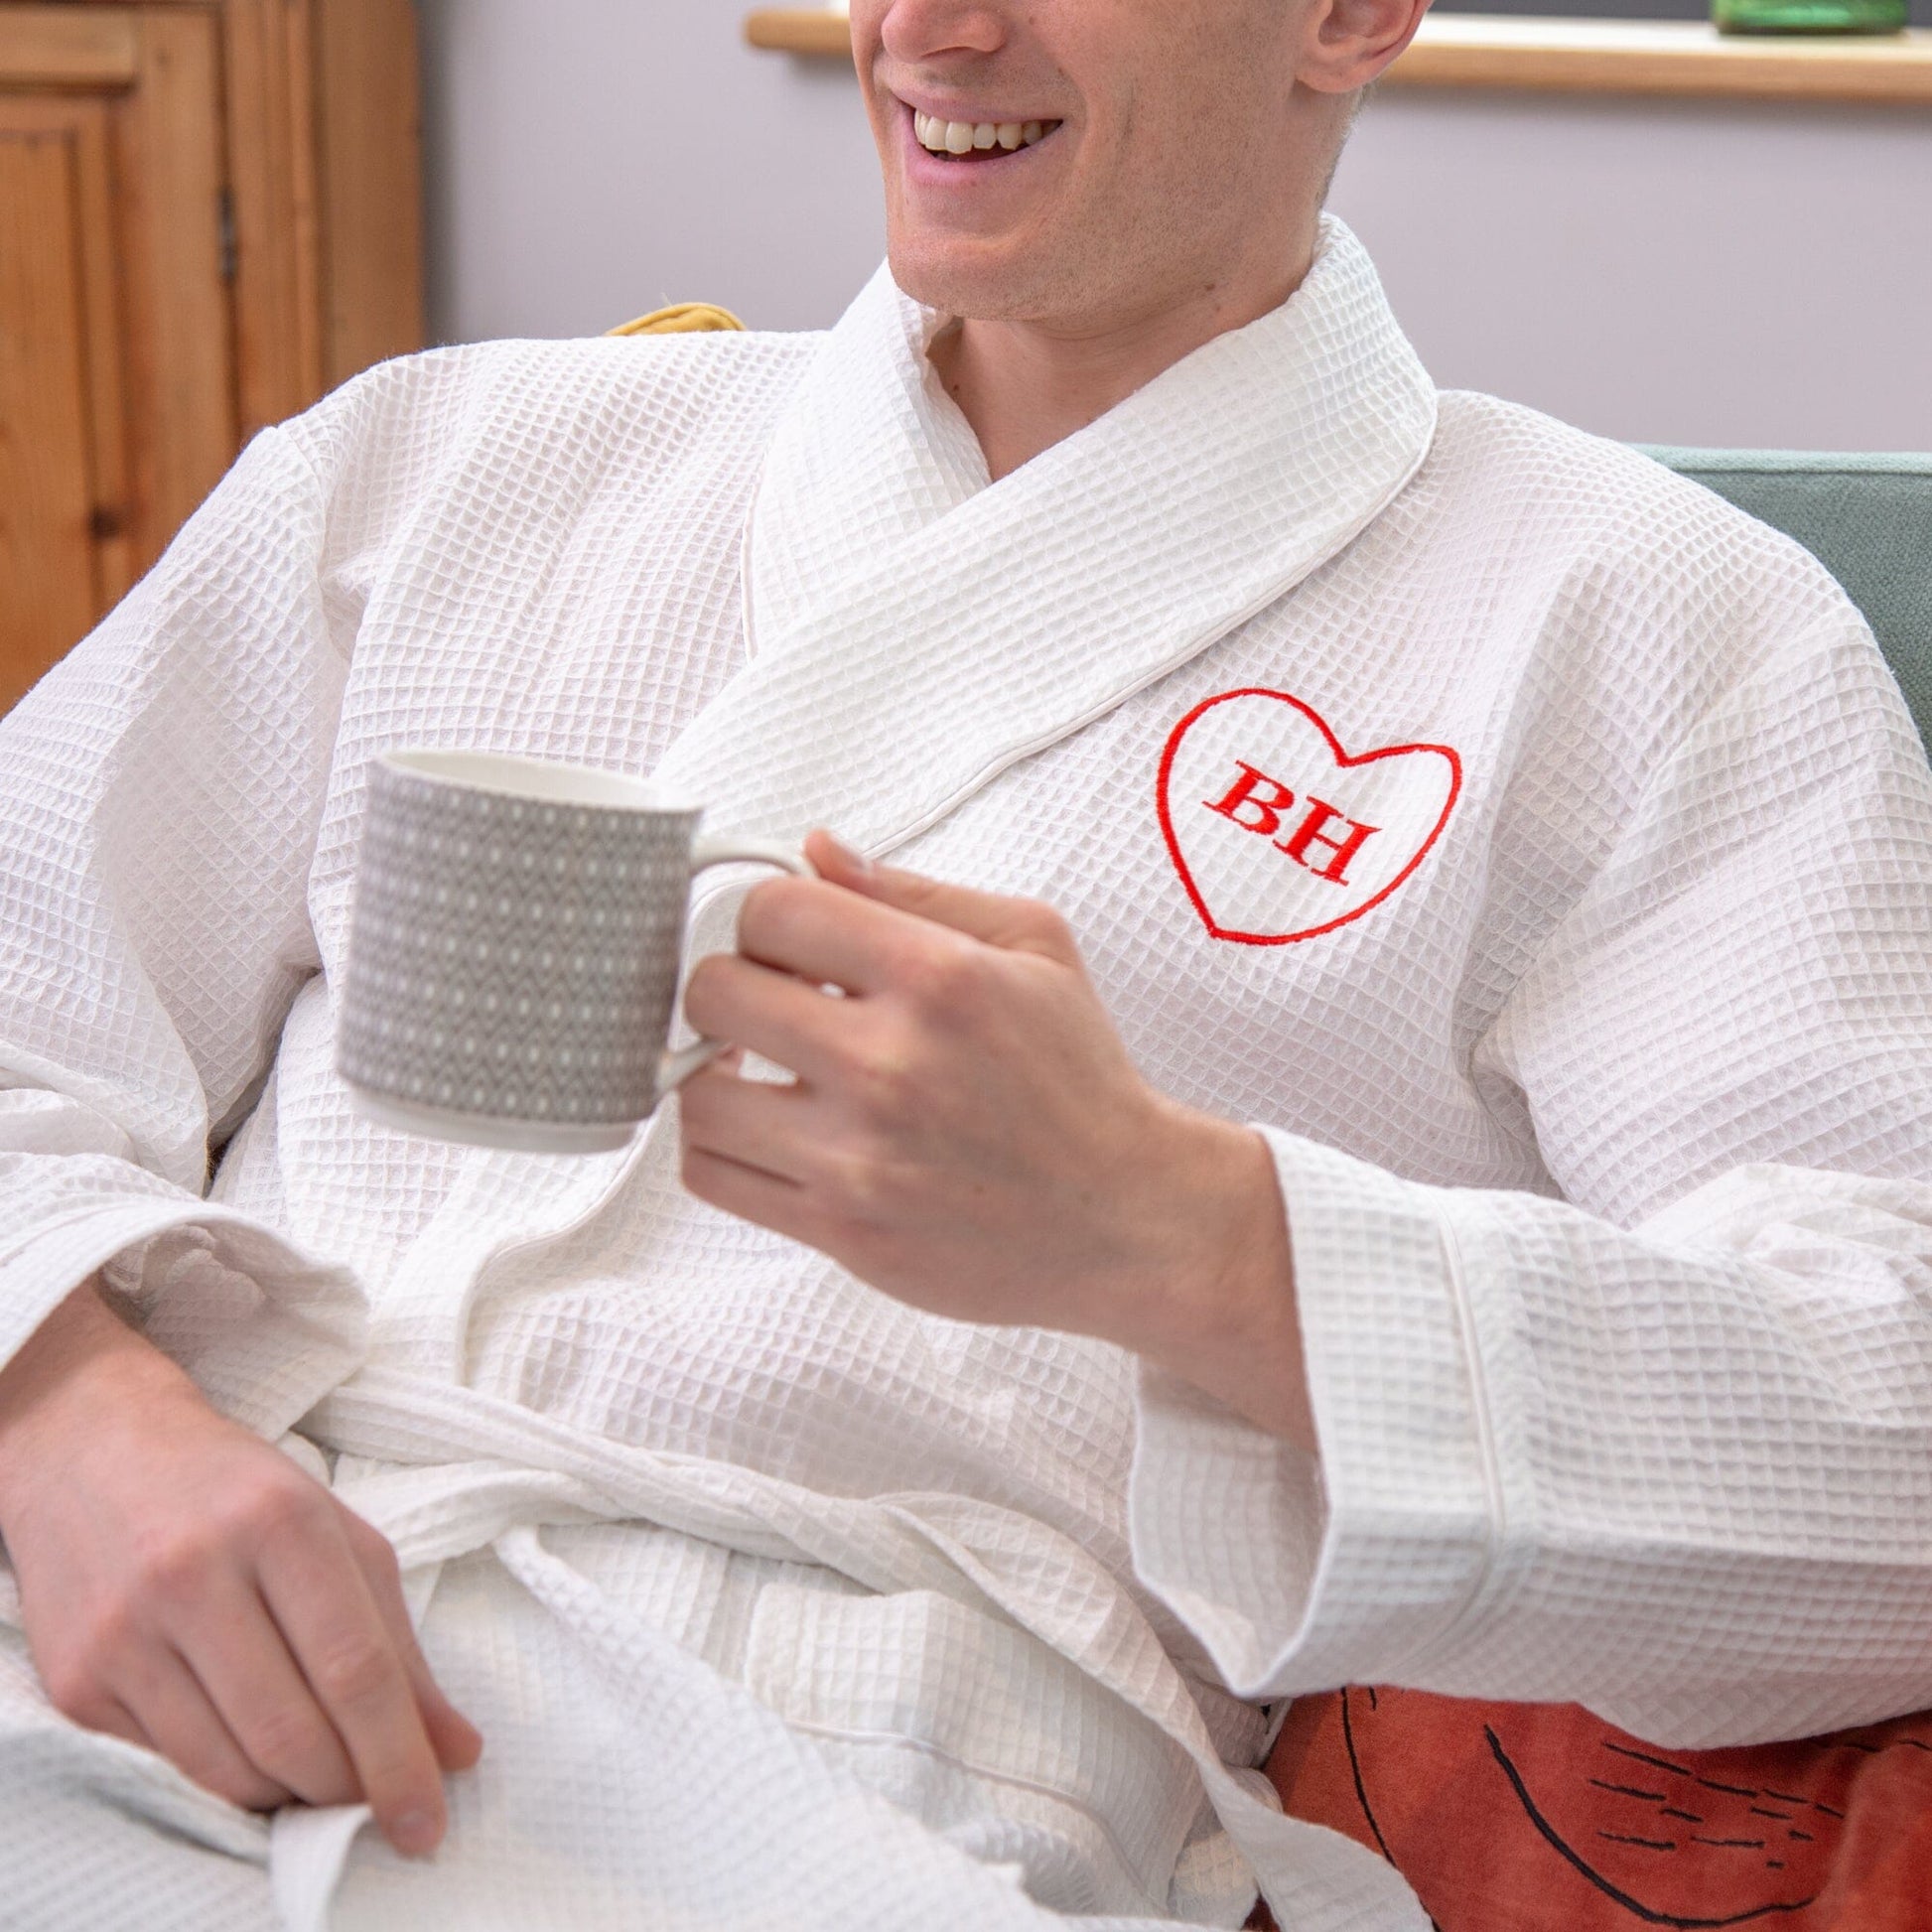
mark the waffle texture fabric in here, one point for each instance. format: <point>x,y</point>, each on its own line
<point>1867,519</point>
<point>1533,846</point>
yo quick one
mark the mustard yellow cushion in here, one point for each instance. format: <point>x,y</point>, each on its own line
<point>680,318</point>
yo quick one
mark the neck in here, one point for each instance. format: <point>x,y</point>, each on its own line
<point>1025,385</point>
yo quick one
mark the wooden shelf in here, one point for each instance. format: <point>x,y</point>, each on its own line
<point>799,30</point>
<point>1611,57</point>
<point>1663,57</point>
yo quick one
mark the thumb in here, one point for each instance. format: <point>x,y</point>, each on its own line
<point>1017,925</point>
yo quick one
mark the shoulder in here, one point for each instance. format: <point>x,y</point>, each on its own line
<point>1621,603</point>
<point>1589,510</point>
<point>1614,559</point>
<point>550,406</point>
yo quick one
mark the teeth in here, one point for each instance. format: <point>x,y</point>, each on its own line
<point>965,137</point>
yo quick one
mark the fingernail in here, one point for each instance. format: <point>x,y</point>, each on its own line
<point>415,1834</point>
<point>853,861</point>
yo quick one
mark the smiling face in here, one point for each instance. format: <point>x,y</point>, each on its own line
<point>1080,163</point>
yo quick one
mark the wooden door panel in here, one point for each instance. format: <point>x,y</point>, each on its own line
<point>69,46</point>
<point>118,402</point>
<point>48,591</point>
<point>85,126</point>
<point>210,215</point>
<point>179,330</point>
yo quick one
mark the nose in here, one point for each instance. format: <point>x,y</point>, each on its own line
<point>915,31</point>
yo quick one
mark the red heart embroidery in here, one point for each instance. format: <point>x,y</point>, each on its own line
<point>1278,833</point>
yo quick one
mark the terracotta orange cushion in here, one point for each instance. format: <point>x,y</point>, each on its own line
<point>1540,1818</point>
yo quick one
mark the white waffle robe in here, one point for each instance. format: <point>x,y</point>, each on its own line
<point>1536,848</point>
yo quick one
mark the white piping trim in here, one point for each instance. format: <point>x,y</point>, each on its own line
<point>1492,1480</point>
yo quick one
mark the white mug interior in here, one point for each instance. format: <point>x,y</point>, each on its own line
<point>541,781</point>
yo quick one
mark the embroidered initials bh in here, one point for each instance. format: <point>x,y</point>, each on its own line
<point>1246,796</point>
<point>1268,859</point>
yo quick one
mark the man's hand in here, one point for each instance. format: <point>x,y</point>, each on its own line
<point>186,1586</point>
<point>967,1133</point>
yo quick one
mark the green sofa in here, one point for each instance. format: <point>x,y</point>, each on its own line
<point>1866,518</point>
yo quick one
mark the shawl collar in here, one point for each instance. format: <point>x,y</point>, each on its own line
<point>918,629</point>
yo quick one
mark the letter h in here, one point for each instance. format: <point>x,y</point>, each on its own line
<point>1256,802</point>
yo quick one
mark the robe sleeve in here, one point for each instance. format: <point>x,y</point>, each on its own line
<point>158,797</point>
<point>1662,1445</point>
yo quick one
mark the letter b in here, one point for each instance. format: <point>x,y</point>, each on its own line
<point>1256,793</point>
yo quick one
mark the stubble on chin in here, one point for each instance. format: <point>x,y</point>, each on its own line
<point>1059,273</point>
<point>973,292</point>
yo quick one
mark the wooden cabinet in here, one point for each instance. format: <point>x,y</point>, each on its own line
<point>210,215</point>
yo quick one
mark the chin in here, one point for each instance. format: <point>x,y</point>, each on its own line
<point>976,280</point>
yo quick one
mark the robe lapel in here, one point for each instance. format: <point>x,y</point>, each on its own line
<point>917,630</point>
<point>869,453</point>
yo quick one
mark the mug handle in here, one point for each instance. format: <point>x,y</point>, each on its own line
<point>676,1065</point>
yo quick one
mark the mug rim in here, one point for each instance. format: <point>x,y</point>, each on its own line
<point>538,781</point>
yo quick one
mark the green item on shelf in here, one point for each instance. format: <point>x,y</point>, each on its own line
<point>1809,16</point>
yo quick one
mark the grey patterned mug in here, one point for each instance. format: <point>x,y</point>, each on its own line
<point>514,949</point>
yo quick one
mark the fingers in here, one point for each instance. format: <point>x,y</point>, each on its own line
<point>753,1123</point>
<point>833,859</point>
<point>825,934</point>
<point>92,1707</point>
<point>320,1598</point>
<point>116,1719</point>
<point>161,1692</point>
<point>185,1587</point>
<point>456,1743</point>
<point>763,1198</point>
<point>888,927</point>
<point>995,918</point>
<point>266,1705</point>
<point>769,1011</point>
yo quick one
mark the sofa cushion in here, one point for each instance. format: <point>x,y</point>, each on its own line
<point>1542,1817</point>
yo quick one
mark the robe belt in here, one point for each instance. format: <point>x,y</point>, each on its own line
<point>445,1470</point>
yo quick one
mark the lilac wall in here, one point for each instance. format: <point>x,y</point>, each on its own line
<point>588,160</point>
<point>1665,271</point>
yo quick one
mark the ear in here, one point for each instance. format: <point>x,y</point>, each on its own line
<point>1345,43</point>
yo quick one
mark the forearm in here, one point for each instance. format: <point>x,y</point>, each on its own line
<point>1655,1471</point>
<point>1216,1305</point>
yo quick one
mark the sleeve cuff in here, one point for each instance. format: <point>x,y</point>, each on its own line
<point>264,1330</point>
<point>1298,1575</point>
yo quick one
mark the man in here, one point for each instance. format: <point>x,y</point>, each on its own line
<point>901,1502</point>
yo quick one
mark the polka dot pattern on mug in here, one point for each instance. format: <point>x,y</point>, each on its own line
<point>512,957</point>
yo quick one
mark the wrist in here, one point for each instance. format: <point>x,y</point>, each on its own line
<point>78,1365</point>
<point>1222,1314</point>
